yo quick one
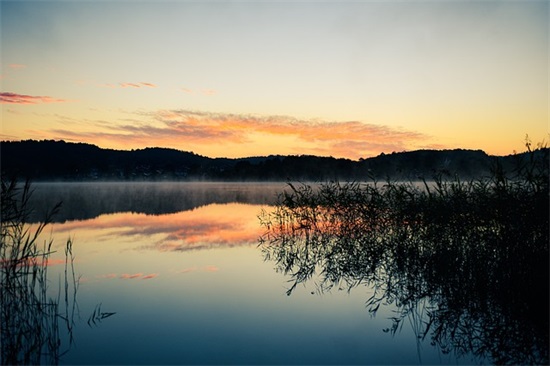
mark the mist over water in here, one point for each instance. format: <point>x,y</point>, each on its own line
<point>86,200</point>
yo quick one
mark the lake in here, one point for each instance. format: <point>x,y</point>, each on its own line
<point>180,267</point>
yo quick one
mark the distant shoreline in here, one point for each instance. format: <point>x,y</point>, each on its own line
<point>59,161</point>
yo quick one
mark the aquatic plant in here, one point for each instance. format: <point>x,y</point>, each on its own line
<point>465,261</point>
<point>97,316</point>
<point>30,317</point>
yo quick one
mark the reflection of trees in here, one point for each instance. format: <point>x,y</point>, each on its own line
<point>82,201</point>
<point>466,262</point>
<point>30,319</point>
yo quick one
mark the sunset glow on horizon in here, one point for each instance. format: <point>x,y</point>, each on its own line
<point>237,79</point>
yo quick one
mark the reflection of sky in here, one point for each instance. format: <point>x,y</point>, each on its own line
<point>215,224</point>
<point>177,303</point>
<point>135,246</point>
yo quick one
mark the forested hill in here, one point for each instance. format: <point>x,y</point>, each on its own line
<point>59,160</point>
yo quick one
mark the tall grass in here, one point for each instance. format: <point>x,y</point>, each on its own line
<point>31,319</point>
<point>465,261</point>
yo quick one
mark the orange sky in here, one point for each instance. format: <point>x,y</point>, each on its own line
<point>225,79</point>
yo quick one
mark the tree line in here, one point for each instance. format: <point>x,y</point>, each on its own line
<point>59,160</point>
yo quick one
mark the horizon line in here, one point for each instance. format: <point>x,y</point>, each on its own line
<point>539,147</point>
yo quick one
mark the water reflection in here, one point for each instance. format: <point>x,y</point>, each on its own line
<point>122,252</point>
<point>214,225</point>
<point>463,282</point>
<point>84,200</point>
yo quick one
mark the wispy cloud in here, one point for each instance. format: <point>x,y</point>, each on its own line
<point>207,92</point>
<point>348,139</point>
<point>17,66</point>
<point>137,85</point>
<point>14,98</point>
<point>140,84</point>
<point>205,130</point>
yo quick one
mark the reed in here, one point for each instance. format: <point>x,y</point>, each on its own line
<point>31,320</point>
<point>465,261</point>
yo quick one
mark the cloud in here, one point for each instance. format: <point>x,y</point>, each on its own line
<point>14,98</point>
<point>17,66</point>
<point>207,92</point>
<point>140,84</point>
<point>204,131</point>
<point>137,85</point>
<point>343,139</point>
<point>129,85</point>
<point>149,85</point>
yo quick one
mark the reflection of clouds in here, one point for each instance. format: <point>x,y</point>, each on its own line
<point>187,270</point>
<point>203,269</point>
<point>128,276</point>
<point>205,227</point>
<point>48,261</point>
<point>33,261</point>
<point>142,276</point>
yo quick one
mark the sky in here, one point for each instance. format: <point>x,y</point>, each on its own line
<point>347,79</point>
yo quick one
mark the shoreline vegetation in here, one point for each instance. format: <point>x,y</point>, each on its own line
<point>465,261</point>
<point>33,316</point>
<point>50,160</point>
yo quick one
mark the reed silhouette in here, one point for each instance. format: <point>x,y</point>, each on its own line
<point>465,261</point>
<point>31,319</point>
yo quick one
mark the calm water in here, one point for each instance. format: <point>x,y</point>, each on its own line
<point>180,266</point>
